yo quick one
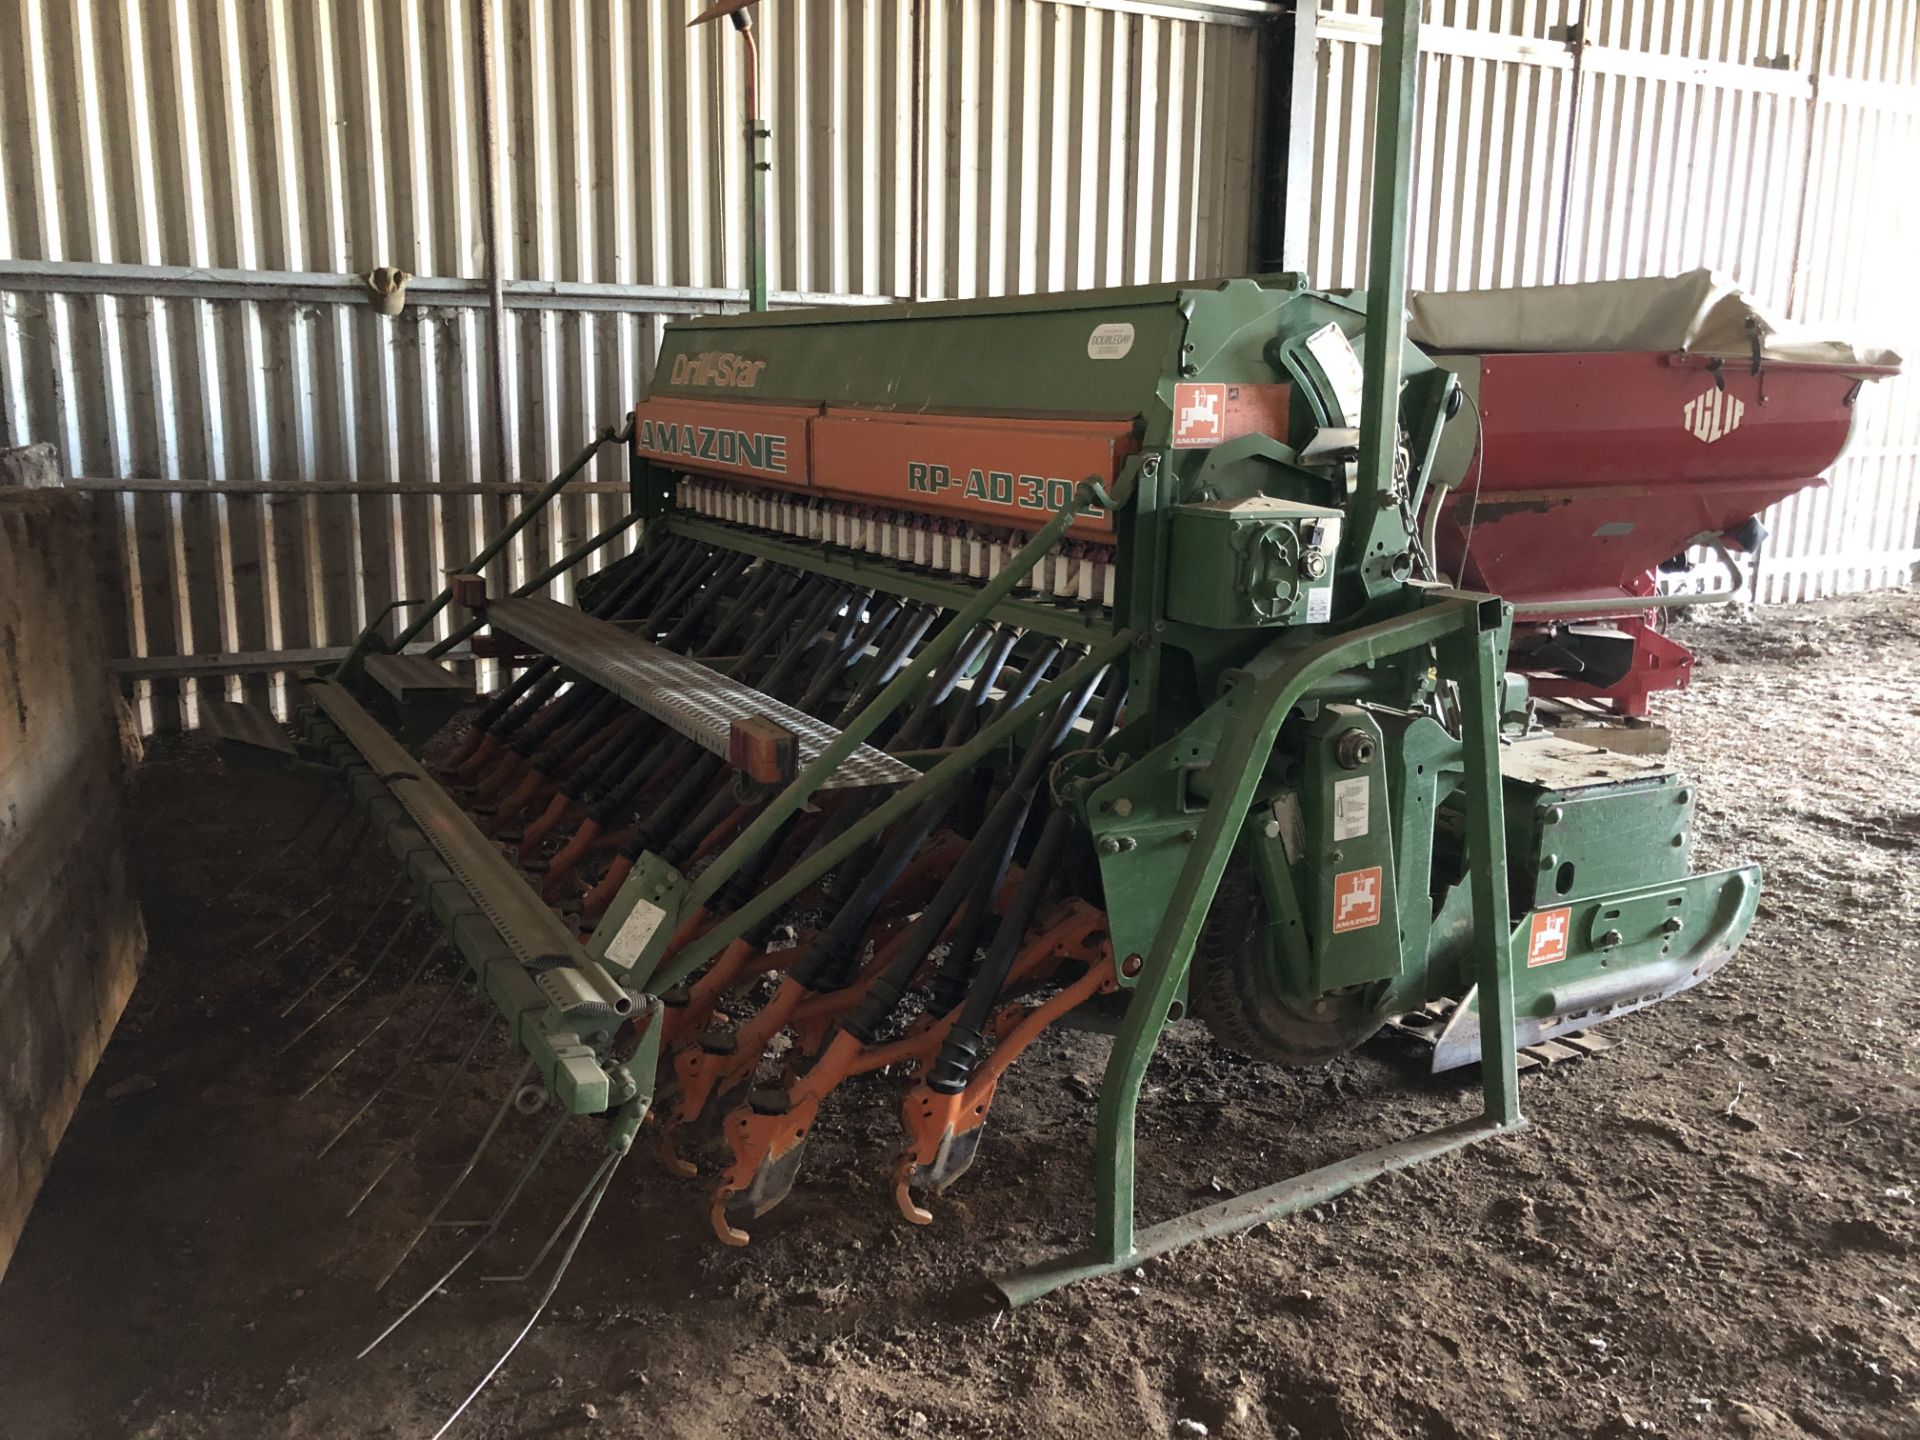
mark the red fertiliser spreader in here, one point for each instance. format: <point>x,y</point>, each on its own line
<point>1621,425</point>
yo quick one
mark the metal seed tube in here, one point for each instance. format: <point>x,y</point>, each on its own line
<point>925,665</point>
<point>710,944</point>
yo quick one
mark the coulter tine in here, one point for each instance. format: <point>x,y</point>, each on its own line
<point>487,1229</point>
<point>594,1191</point>
<point>493,1129</point>
<point>434,951</point>
<point>400,928</point>
<point>903,1172</point>
<point>440,1098</point>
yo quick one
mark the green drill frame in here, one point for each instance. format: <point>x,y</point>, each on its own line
<point>1215,668</point>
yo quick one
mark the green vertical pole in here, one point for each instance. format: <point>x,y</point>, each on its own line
<point>758,164</point>
<point>758,138</point>
<point>1387,254</point>
<point>1252,720</point>
<point>1476,659</point>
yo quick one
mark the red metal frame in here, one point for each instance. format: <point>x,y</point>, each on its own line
<point>1659,663</point>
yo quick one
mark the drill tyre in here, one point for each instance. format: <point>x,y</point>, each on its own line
<point>1235,988</point>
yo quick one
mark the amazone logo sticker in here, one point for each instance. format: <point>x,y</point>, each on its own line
<point>717,367</point>
<point>744,449</point>
<point>1356,899</point>
<point>1547,937</point>
<point>1111,341</point>
<point>1199,415</point>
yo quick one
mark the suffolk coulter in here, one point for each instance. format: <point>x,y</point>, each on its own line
<point>987,667</point>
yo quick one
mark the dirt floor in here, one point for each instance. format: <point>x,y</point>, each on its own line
<point>1711,1229</point>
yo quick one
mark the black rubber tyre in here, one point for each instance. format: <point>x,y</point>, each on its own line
<point>1235,988</point>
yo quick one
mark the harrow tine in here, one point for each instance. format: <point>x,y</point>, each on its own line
<point>487,1229</point>
<point>353,848</point>
<point>287,924</point>
<point>345,815</point>
<point>407,917</point>
<point>546,1246</point>
<point>594,1192</point>
<point>305,935</point>
<point>439,1099</point>
<point>433,952</point>
<point>327,793</point>
<point>406,1058</point>
<point>346,951</point>
<point>493,1128</point>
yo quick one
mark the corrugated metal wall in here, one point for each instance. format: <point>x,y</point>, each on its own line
<point>189,187</point>
<point>1597,139</point>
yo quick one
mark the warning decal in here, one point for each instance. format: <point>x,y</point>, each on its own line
<point>1351,804</point>
<point>1356,899</point>
<point>1199,415</point>
<point>1547,937</point>
<point>630,940</point>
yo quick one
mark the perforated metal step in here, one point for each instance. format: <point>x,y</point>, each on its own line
<point>694,699</point>
<point>404,675</point>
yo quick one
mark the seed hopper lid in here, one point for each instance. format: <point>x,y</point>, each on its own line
<point>1701,312</point>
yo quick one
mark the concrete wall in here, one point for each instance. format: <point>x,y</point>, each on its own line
<point>71,937</point>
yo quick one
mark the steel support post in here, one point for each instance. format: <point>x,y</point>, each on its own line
<point>1475,660</point>
<point>1469,653</point>
<point>1288,139</point>
<point>1387,252</point>
<point>759,163</point>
